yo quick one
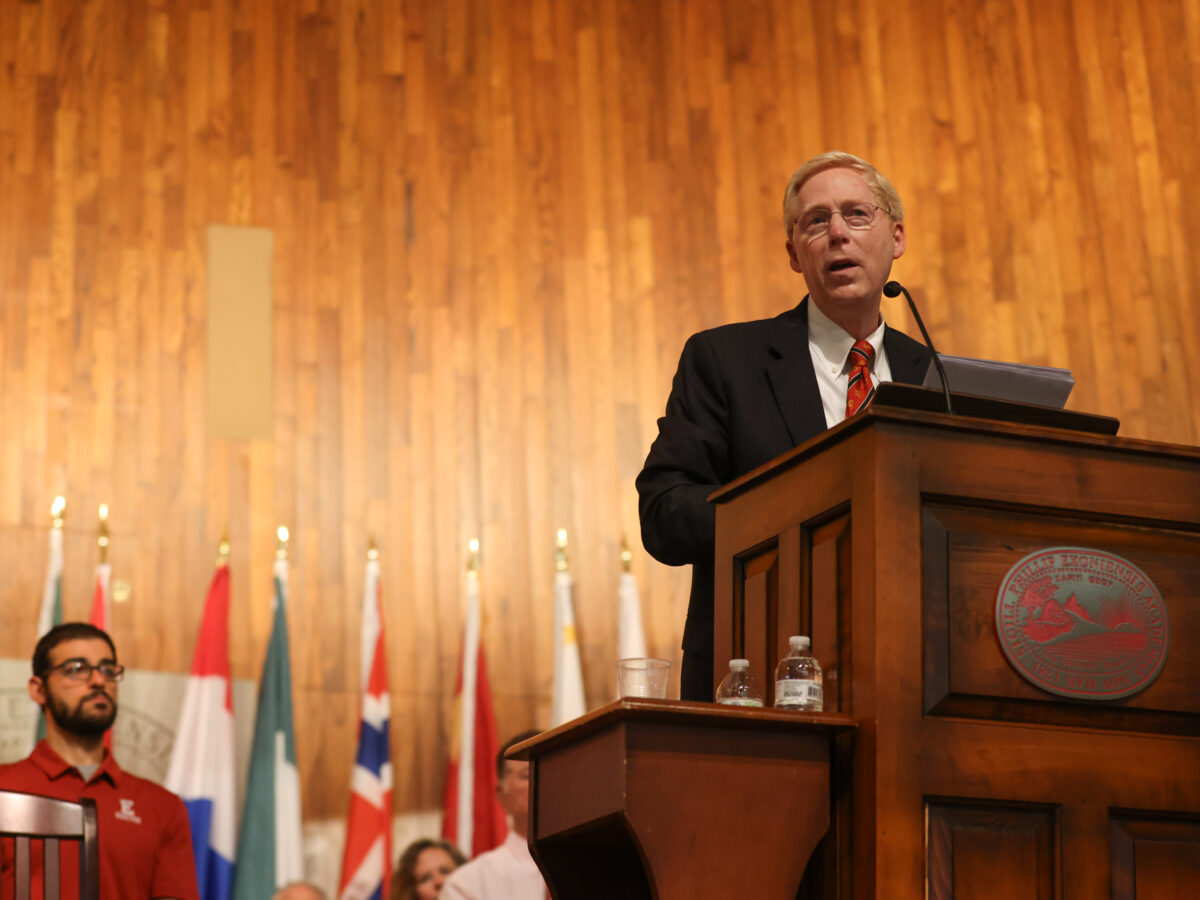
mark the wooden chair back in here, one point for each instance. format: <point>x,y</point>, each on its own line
<point>28,817</point>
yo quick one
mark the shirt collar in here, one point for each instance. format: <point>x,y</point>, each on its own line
<point>832,341</point>
<point>55,766</point>
<point>517,845</point>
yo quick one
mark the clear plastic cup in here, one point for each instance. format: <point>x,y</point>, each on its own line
<point>643,677</point>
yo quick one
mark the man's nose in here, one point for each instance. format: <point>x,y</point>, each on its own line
<point>94,678</point>
<point>838,229</point>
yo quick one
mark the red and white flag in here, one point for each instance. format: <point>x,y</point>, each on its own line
<point>102,616</point>
<point>366,862</point>
<point>473,819</point>
<point>102,598</point>
<point>202,770</point>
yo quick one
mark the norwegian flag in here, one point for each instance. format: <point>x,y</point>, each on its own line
<point>366,863</point>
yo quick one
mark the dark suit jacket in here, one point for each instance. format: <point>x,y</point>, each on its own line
<point>742,395</point>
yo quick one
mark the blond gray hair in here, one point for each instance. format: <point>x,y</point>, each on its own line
<point>889,200</point>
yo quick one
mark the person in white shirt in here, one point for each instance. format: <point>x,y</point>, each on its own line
<point>507,872</point>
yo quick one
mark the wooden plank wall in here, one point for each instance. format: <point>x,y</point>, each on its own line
<point>495,223</point>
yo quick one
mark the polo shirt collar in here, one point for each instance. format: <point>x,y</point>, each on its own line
<point>55,766</point>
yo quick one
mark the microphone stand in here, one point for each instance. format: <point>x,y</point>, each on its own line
<point>894,289</point>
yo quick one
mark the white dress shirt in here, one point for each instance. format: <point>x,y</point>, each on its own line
<point>506,873</point>
<point>830,346</point>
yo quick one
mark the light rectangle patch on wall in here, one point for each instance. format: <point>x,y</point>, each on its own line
<point>239,362</point>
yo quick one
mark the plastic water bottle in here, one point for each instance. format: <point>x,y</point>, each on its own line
<point>740,688</point>
<point>799,683</point>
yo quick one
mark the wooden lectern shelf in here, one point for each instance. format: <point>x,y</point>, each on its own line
<point>677,801</point>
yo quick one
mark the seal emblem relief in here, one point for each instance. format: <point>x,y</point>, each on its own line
<point>1082,623</point>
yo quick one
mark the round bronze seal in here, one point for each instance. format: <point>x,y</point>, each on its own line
<point>1082,623</point>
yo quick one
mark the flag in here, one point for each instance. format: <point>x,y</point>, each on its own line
<point>631,640</point>
<point>366,862</point>
<point>202,766</point>
<point>567,701</point>
<point>472,817</point>
<point>101,598</point>
<point>102,616</point>
<point>269,851</point>
<point>51,613</point>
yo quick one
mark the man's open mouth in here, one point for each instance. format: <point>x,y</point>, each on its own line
<point>841,265</point>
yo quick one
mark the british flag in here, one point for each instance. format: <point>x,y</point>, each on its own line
<point>366,863</point>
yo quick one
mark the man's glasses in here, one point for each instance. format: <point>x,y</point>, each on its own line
<point>81,670</point>
<point>858,216</point>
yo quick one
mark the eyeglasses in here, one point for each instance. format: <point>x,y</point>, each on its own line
<point>858,216</point>
<point>81,670</point>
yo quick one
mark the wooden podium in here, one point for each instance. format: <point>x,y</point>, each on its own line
<point>886,540</point>
<point>661,799</point>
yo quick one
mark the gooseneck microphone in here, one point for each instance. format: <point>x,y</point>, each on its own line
<point>895,289</point>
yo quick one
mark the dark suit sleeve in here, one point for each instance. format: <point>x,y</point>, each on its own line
<point>687,461</point>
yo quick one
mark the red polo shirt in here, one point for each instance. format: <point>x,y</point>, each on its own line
<point>145,838</point>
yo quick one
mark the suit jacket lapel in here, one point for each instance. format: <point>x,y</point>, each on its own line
<point>790,372</point>
<point>907,358</point>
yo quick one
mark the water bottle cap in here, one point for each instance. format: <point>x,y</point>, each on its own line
<point>799,642</point>
<point>739,664</point>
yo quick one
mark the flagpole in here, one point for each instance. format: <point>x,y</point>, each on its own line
<point>101,601</point>
<point>466,728</point>
<point>631,639</point>
<point>102,534</point>
<point>567,695</point>
<point>269,849</point>
<point>50,613</point>
<point>366,857</point>
<point>202,767</point>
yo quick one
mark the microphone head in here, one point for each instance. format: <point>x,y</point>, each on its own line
<point>892,289</point>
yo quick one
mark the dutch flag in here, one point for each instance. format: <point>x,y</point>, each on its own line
<point>201,771</point>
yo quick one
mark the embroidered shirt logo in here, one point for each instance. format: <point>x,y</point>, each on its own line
<point>126,813</point>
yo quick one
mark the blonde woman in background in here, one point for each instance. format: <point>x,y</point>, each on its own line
<point>423,868</point>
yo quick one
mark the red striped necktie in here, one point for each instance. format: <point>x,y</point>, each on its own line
<point>861,389</point>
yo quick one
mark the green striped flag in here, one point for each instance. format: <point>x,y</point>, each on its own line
<point>51,613</point>
<point>269,852</point>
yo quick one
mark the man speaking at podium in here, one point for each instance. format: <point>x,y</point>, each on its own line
<point>747,392</point>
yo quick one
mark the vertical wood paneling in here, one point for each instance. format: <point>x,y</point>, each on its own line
<point>495,223</point>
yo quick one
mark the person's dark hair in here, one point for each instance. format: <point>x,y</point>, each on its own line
<point>67,631</point>
<point>404,879</point>
<point>512,742</point>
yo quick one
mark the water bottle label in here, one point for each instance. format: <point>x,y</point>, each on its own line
<point>797,691</point>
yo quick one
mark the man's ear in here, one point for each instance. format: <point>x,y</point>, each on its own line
<point>37,690</point>
<point>793,259</point>
<point>898,242</point>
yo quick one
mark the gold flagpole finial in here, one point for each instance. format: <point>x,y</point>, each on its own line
<point>626,555</point>
<point>560,555</point>
<point>473,558</point>
<point>58,511</point>
<point>281,549</point>
<point>223,550</point>
<point>102,533</point>
<point>372,550</point>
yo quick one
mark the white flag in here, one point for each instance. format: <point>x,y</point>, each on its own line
<point>568,702</point>
<point>631,640</point>
<point>50,614</point>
